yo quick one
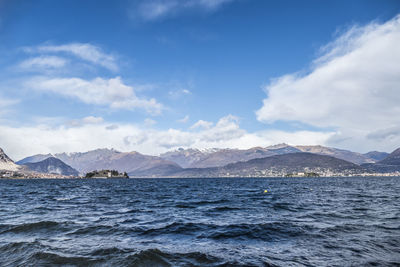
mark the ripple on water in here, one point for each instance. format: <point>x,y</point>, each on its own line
<point>200,222</point>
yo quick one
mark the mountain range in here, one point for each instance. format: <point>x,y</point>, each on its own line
<point>108,159</point>
<point>51,165</point>
<point>195,158</point>
<point>278,165</point>
<point>390,163</point>
<point>272,160</point>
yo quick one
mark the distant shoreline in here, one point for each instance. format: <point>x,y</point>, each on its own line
<point>221,177</point>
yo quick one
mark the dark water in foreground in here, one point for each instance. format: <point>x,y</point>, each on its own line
<point>200,222</point>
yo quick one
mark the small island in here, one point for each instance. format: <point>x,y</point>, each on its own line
<point>303,174</point>
<point>106,174</point>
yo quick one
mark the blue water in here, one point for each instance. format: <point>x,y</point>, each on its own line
<point>201,222</point>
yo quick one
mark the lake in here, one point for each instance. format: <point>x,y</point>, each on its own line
<point>349,221</point>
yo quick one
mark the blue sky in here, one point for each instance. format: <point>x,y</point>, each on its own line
<point>156,75</point>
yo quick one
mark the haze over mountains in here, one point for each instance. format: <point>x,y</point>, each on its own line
<point>273,160</point>
<point>195,158</point>
<point>278,165</point>
<point>108,159</point>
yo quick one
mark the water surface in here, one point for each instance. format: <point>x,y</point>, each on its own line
<point>201,222</point>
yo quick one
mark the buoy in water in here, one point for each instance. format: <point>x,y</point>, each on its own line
<point>265,191</point>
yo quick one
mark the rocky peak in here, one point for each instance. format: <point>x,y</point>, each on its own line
<point>4,158</point>
<point>6,163</point>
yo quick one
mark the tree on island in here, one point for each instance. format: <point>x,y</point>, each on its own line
<point>106,174</point>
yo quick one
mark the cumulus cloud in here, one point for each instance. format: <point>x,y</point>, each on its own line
<point>227,128</point>
<point>184,119</point>
<point>385,134</point>
<point>202,124</point>
<point>352,88</point>
<point>84,51</point>
<point>43,62</point>
<point>85,121</point>
<point>111,92</point>
<point>92,120</point>
<point>151,10</point>
<point>112,127</point>
<point>24,141</point>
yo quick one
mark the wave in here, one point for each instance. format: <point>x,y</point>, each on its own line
<point>35,254</point>
<point>206,202</point>
<point>18,253</point>
<point>269,232</point>
<point>176,228</point>
<point>213,223</point>
<point>42,258</point>
<point>33,227</point>
<point>156,257</point>
<point>95,230</point>
<point>224,208</point>
<point>266,232</point>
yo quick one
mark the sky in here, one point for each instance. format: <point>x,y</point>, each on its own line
<point>157,75</point>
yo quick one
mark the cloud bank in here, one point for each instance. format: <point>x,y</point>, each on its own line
<point>111,92</point>
<point>353,89</point>
<point>93,132</point>
<point>350,97</point>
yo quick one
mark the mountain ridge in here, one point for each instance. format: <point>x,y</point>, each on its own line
<point>194,158</point>
<point>34,158</point>
<point>137,164</point>
<point>112,159</point>
<point>277,165</point>
<point>389,164</point>
<point>6,163</point>
<point>52,165</point>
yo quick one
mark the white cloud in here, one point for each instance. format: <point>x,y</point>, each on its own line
<point>99,91</point>
<point>112,92</point>
<point>43,62</point>
<point>112,127</point>
<point>202,124</point>
<point>92,120</point>
<point>227,128</point>
<point>84,51</point>
<point>6,104</point>
<point>177,94</point>
<point>149,122</point>
<point>24,141</point>
<point>85,121</point>
<point>352,88</point>
<point>184,119</point>
<point>151,10</point>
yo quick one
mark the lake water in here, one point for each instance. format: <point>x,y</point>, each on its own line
<point>201,222</point>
